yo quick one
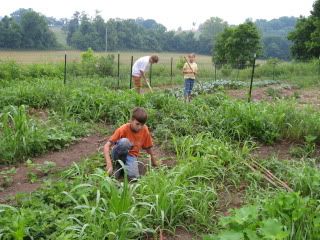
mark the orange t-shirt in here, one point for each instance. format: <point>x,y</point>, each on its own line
<point>141,139</point>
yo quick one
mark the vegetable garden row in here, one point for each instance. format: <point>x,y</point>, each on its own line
<point>212,138</point>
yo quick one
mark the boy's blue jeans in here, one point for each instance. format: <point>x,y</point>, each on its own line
<point>188,86</point>
<point>120,152</point>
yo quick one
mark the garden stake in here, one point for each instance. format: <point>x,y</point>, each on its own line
<point>264,176</point>
<point>149,85</point>
<point>267,174</point>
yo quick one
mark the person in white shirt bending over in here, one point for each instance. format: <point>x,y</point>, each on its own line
<point>140,67</point>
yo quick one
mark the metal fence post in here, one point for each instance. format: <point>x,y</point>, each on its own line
<point>215,71</point>
<point>252,74</point>
<point>131,72</point>
<point>319,69</point>
<point>65,68</point>
<point>118,70</point>
<point>239,66</point>
<point>273,71</point>
<point>171,64</point>
<point>150,74</point>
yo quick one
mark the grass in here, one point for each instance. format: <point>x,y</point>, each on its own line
<point>212,138</point>
<point>87,204</point>
<point>50,64</point>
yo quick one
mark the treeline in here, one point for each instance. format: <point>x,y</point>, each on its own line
<point>140,34</point>
<point>26,29</point>
<point>127,34</point>
<point>274,35</point>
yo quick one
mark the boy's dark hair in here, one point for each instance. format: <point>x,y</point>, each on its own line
<point>154,58</point>
<point>140,115</point>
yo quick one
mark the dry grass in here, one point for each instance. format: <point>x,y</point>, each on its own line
<point>28,57</point>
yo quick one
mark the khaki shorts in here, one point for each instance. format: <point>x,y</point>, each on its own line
<point>137,81</point>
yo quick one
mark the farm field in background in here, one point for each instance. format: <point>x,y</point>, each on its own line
<point>29,57</point>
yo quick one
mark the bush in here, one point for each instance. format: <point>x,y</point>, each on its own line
<point>105,65</point>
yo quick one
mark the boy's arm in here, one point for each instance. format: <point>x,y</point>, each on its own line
<point>106,151</point>
<point>154,162</point>
<point>143,76</point>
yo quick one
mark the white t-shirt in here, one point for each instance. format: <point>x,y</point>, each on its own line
<point>142,64</point>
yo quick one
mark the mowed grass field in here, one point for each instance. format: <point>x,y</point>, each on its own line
<point>28,57</point>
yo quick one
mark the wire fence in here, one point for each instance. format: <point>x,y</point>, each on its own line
<point>166,72</point>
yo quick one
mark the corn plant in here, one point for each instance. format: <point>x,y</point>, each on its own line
<point>20,137</point>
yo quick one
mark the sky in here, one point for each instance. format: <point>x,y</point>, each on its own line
<point>171,13</point>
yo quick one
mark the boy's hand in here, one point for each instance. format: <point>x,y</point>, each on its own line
<point>109,170</point>
<point>155,163</point>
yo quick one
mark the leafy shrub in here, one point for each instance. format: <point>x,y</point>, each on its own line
<point>287,215</point>
<point>105,65</point>
<point>180,63</point>
<point>91,64</point>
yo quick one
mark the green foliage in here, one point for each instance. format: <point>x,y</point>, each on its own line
<point>9,71</point>
<point>22,136</point>
<point>105,65</point>
<point>237,45</point>
<point>274,36</point>
<point>210,146</point>
<point>287,215</point>
<point>306,36</point>
<point>91,64</point>
<point>180,63</point>
<point>307,150</point>
<point>31,31</point>
<point>11,35</point>
<point>209,30</point>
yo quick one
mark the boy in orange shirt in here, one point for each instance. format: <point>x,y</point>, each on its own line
<point>127,141</point>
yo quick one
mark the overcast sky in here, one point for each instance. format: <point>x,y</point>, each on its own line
<point>170,13</point>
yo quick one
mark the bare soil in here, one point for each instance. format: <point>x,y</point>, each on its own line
<point>304,96</point>
<point>83,148</point>
<point>281,150</point>
<point>229,198</point>
<point>179,234</point>
<point>41,114</point>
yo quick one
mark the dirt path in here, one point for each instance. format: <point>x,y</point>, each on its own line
<point>304,96</point>
<point>281,150</point>
<point>83,148</point>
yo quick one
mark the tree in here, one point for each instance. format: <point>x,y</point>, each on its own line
<point>306,36</point>
<point>10,33</point>
<point>276,47</point>
<point>274,36</point>
<point>17,15</point>
<point>73,26</point>
<point>35,31</point>
<point>209,31</point>
<point>300,37</point>
<point>236,45</point>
